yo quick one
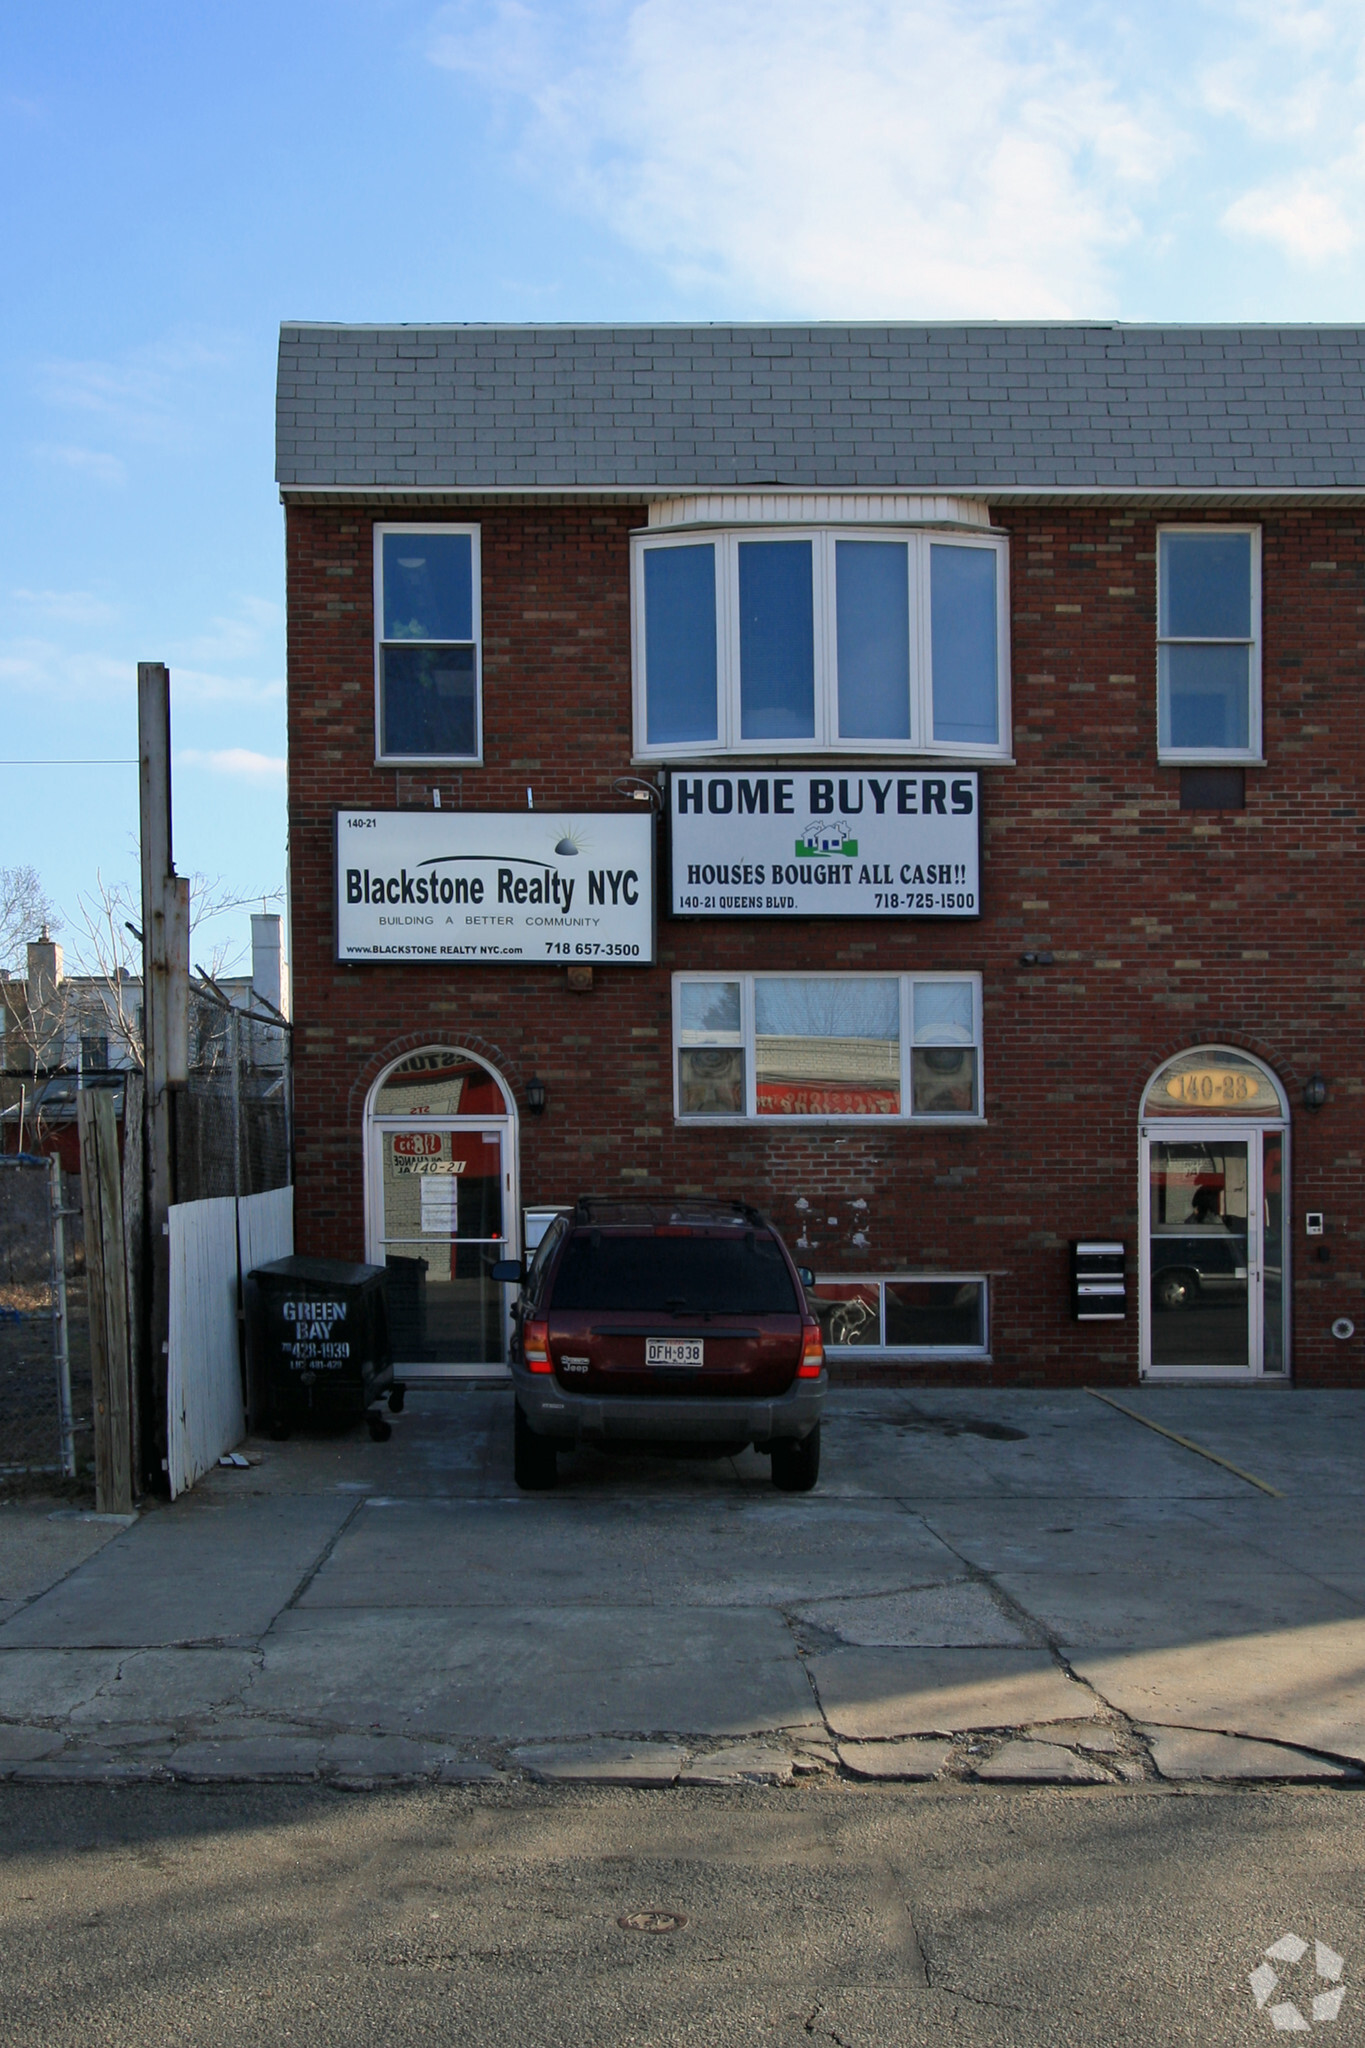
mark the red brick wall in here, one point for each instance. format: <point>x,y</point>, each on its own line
<point>1168,928</point>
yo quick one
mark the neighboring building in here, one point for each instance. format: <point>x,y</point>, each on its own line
<point>52,1022</point>
<point>1000,691</point>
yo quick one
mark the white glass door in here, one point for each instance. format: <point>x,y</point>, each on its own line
<point>1214,1299</point>
<point>442,1210</point>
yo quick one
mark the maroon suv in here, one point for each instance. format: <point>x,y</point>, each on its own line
<point>679,1322</point>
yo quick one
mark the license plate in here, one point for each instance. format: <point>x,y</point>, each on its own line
<point>673,1351</point>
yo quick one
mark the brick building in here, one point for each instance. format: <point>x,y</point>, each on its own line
<point>977,711</point>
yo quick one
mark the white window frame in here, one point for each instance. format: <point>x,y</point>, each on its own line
<point>444,526</point>
<point>1214,756</point>
<point>726,541</point>
<point>751,1116</point>
<point>889,1279</point>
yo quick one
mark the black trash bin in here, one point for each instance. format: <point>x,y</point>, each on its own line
<point>318,1345</point>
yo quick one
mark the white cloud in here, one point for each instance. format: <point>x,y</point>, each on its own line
<point>235,761</point>
<point>1293,81</point>
<point>94,462</point>
<point>236,636</point>
<point>146,396</point>
<point>209,686</point>
<point>845,157</point>
<point>1309,223</point>
<point>71,607</point>
<point>944,158</point>
<point>64,674</point>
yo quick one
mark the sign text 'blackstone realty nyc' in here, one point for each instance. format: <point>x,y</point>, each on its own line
<point>878,843</point>
<point>494,885</point>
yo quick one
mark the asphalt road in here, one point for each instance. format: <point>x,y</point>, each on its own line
<point>867,1916</point>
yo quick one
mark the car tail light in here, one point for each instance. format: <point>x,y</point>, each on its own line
<point>812,1353</point>
<point>535,1347</point>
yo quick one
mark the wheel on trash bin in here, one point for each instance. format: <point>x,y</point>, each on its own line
<point>379,1427</point>
<point>796,1466</point>
<point>534,1464</point>
<point>397,1396</point>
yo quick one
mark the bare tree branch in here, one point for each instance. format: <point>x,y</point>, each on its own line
<point>24,910</point>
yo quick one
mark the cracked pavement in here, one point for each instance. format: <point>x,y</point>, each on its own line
<point>992,1587</point>
<point>870,1916</point>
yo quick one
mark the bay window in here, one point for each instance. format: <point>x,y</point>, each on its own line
<point>776,641</point>
<point>821,1046</point>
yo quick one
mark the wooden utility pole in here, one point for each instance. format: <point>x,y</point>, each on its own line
<point>165,1018</point>
<point>108,1282</point>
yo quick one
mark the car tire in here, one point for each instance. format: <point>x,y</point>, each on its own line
<point>535,1466</point>
<point>796,1464</point>
<point>1175,1288</point>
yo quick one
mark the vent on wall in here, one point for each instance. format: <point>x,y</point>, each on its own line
<point>1213,789</point>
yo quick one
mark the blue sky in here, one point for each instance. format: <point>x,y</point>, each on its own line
<point>175,181</point>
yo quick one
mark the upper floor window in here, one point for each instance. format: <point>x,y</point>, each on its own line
<point>1209,643</point>
<point>785,642</point>
<point>426,608</point>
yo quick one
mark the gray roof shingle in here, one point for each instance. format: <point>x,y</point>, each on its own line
<point>985,409</point>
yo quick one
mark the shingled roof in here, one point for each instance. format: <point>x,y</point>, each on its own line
<point>992,410</point>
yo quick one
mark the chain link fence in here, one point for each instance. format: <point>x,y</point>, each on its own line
<point>45,1391</point>
<point>233,1121</point>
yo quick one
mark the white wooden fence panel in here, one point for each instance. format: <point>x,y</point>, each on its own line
<point>205,1415</point>
<point>265,1228</point>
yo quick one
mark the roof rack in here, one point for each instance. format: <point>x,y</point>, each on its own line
<point>646,1208</point>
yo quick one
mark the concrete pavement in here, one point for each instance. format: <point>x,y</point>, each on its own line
<point>985,1585</point>
<point>545,1916</point>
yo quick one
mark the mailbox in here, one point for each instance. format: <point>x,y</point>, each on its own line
<point>1099,1288</point>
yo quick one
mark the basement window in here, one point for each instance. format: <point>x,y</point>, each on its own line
<point>426,606</point>
<point>931,1315</point>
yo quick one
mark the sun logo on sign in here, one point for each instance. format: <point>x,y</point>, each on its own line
<point>1324,2003</point>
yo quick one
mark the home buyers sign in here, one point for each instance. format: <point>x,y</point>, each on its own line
<point>494,885</point>
<point>883,842</point>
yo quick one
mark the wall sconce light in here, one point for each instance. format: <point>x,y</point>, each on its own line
<point>535,1095</point>
<point>1314,1092</point>
<point>640,790</point>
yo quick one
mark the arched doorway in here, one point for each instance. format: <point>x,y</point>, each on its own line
<point>441,1204</point>
<point>1214,1249</point>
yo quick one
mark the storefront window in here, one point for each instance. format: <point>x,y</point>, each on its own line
<point>929,1314</point>
<point>828,1046</point>
<point>944,1059</point>
<point>710,1049</point>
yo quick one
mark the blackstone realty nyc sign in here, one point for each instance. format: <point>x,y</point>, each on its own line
<point>494,885</point>
<point>878,843</point>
